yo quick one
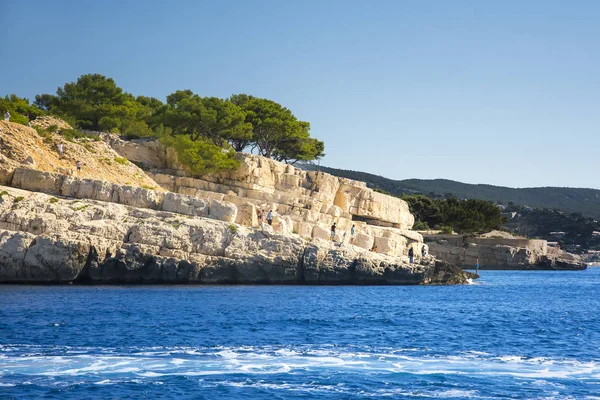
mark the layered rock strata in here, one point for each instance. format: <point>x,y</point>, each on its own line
<point>501,253</point>
<point>56,240</point>
<point>304,202</point>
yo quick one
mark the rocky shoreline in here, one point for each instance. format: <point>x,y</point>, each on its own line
<point>46,239</point>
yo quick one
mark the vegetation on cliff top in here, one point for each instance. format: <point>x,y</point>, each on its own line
<point>462,216</point>
<point>205,131</point>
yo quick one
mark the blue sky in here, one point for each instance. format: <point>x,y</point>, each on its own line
<point>499,92</point>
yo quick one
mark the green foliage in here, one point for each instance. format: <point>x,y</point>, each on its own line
<point>53,200</point>
<point>214,127</point>
<point>233,228</point>
<point>18,199</point>
<point>462,216</point>
<point>539,223</point>
<point>446,230</point>
<point>201,156</point>
<point>3,193</point>
<point>95,102</point>
<point>72,134</point>
<point>121,160</point>
<point>20,110</point>
<point>276,132</point>
<point>205,117</point>
<point>420,226</point>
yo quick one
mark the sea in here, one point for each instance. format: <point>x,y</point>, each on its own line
<point>510,335</point>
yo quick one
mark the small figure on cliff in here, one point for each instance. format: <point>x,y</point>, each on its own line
<point>29,124</point>
<point>411,255</point>
<point>259,216</point>
<point>477,265</point>
<point>332,236</point>
<point>78,165</point>
<point>270,217</point>
<point>60,149</point>
<point>352,234</point>
<point>6,116</point>
<point>423,251</point>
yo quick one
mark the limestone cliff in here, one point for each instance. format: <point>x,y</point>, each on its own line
<point>46,239</point>
<point>305,202</point>
<point>119,223</point>
<point>501,253</point>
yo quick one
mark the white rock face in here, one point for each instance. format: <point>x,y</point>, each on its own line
<point>310,199</point>
<point>501,253</point>
<point>70,186</point>
<point>48,239</point>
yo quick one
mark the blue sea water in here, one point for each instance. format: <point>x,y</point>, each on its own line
<point>514,334</point>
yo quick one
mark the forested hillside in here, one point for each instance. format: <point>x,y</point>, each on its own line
<point>573,200</point>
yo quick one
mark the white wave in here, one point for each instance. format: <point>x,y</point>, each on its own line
<point>159,362</point>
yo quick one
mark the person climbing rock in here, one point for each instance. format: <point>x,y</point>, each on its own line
<point>411,255</point>
<point>270,217</point>
<point>423,251</point>
<point>352,234</point>
<point>332,235</point>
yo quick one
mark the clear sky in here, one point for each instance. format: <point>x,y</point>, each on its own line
<point>499,92</point>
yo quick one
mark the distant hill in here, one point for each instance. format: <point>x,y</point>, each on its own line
<point>574,200</point>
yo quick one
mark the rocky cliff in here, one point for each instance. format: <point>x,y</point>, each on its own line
<point>500,253</point>
<point>47,239</point>
<point>159,225</point>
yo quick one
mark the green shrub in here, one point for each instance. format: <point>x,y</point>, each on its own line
<point>121,160</point>
<point>52,128</point>
<point>72,134</point>
<point>233,228</point>
<point>201,156</point>
<point>148,187</point>
<point>3,193</point>
<point>53,200</point>
<point>446,230</point>
<point>420,226</point>
<point>18,199</point>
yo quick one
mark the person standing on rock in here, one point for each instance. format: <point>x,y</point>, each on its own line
<point>477,266</point>
<point>411,255</point>
<point>333,232</point>
<point>352,234</point>
<point>259,216</point>
<point>423,251</point>
<point>7,116</point>
<point>60,149</point>
<point>270,217</point>
<point>78,165</point>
